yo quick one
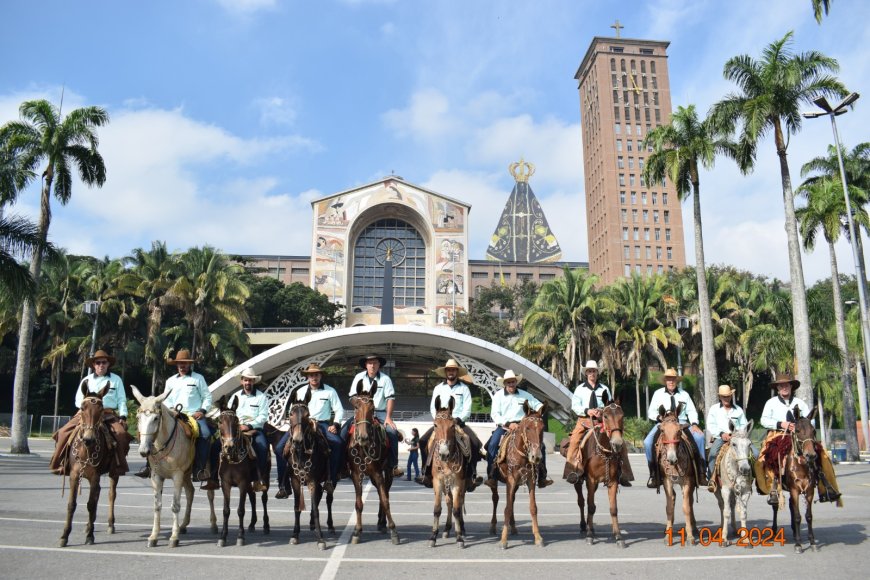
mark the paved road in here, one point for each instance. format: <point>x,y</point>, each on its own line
<point>32,512</point>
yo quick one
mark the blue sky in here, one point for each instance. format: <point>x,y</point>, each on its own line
<point>230,116</point>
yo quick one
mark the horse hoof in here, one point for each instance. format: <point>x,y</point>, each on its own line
<point>221,543</point>
<point>152,543</point>
<point>539,542</point>
<point>431,543</point>
<point>183,530</point>
<point>266,530</point>
<point>460,545</point>
<point>445,535</point>
<point>89,541</point>
<point>240,541</point>
<point>491,531</point>
<point>503,546</point>
<point>620,543</point>
<point>798,550</point>
<point>214,529</point>
<point>354,540</point>
<point>382,529</point>
<point>321,545</point>
<point>590,541</point>
<point>110,530</point>
<point>294,541</point>
<point>815,548</point>
<point>514,531</point>
<point>61,543</point>
<point>395,539</point>
<point>331,531</point>
<point>251,528</point>
<point>311,528</point>
<point>173,542</point>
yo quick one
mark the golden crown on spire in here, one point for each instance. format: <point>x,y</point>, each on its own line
<point>522,170</point>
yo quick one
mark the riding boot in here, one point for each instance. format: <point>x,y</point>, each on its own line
<point>654,481</point>
<point>542,478</point>
<point>145,472</point>
<point>773,498</point>
<point>830,494</point>
<point>702,471</point>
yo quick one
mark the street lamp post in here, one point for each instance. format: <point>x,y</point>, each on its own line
<point>833,112</point>
<point>92,308</point>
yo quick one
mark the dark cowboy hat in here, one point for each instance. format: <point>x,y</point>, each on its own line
<point>89,362</point>
<point>785,379</point>
<point>183,356</point>
<point>362,361</point>
<point>313,368</point>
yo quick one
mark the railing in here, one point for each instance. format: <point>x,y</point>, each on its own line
<point>284,329</point>
<point>425,416</point>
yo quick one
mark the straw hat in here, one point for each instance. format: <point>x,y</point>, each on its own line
<point>590,364</point>
<point>368,357</point>
<point>671,374</point>
<point>100,354</point>
<point>452,364</point>
<point>183,356</point>
<point>249,373</point>
<point>785,379</point>
<point>508,375</point>
<point>726,390</point>
<point>312,368</point>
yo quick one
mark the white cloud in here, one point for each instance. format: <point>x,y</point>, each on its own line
<point>275,111</point>
<point>247,6</point>
<point>426,118</point>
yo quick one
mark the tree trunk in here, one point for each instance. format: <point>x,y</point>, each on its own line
<point>637,392</point>
<point>800,314</point>
<point>852,451</point>
<point>711,376</point>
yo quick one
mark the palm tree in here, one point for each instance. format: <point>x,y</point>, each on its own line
<point>772,92</point>
<point>820,6</point>
<point>17,238</point>
<point>63,145</point>
<point>680,149</point>
<point>825,211</point>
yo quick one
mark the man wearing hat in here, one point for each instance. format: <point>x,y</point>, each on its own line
<point>325,408</point>
<point>670,396</point>
<point>507,412</point>
<point>778,416</point>
<point>373,380</point>
<point>114,414</point>
<point>719,418</point>
<point>587,403</point>
<point>253,412</point>
<point>455,384</point>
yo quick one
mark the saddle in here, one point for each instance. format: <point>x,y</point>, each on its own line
<point>503,446</point>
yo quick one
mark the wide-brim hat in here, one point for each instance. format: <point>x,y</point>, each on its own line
<point>100,354</point>
<point>312,368</point>
<point>726,390</point>
<point>183,356</point>
<point>508,375</point>
<point>452,364</point>
<point>591,364</point>
<point>785,379</point>
<point>249,373</point>
<point>672,374</point>
<point>362,361</point>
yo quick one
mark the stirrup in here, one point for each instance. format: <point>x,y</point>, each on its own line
<point>572,477</point>
<point>773,499</point>
<point>711,485</point>
<point>653,482</point>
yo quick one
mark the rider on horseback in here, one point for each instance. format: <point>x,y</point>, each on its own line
<point>253,412</point>
<point>507,411</point>
<point>670,396</point>
<point>587,402</point>
<point>778,417</point>
<point>455,384</point>
<point>718,425</point>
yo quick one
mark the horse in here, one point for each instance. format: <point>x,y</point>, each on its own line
<point>237,468</point>
<point>307,454</point>
<point>676,465</point>
<point>367,455</point>
<point>799,477</point>
<point>89,455</point>
<point>734,470</point>
<point>168,447</point>
<point>602,465</point>
<point>448,474</point>
<point>523,454</point>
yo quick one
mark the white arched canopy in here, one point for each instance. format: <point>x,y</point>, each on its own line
<point>400,345</point>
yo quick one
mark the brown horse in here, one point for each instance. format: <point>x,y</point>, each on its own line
<point>799,477</point>
<point>307,454</point>
<point>448,474</point>
<point>522,457</point>
<point>367,455</point>
<point>237,468</point>
<point>676,465</point>
<point>89,455</point>
<point>602,465</point>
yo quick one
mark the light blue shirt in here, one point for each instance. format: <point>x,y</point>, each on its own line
<point>583,396</point>
<point>662,398</point>
<point>384,391</point>
<point>461,395</point>
<point>115,399</point>
<point>253,409</point>
<point>324,403</point>
<point>718,417</point>
<point>509,408</point>
<point>776,409</point>
<point>190,391</point>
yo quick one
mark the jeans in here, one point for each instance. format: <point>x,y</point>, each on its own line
<point>412,462</point>
<point>261,448</point>
<point>392,435</point>
<point>650,437</point>
<point>204,449</point>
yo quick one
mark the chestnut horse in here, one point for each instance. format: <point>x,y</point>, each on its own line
<point>448,474</point>
<point>307,454</point>
<point>676,465</point>
<point>169,450</point>
<point>238,468</point>
<point>368,455</point>
<point>602,460</point>
<point>523,454</point>
<point>89,455</point>
<point>799,477</point>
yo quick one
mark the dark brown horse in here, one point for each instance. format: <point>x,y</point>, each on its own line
<point>307,454</point>
<point>237,468</point>
<point>89,455</point>
<point>448,474</point>
<point>676,465</point>
<point>368,455</point>
<point>602,465</point>
<point>523,455</point>
<point>799,477</point>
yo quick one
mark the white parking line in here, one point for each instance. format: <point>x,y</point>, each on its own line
<point>331,568</point>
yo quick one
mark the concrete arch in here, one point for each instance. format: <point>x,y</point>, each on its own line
<point>401,345</point>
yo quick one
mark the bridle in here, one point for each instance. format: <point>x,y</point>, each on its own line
<point>240,452</point>
<point>166,448</point>
<point>94,450</point>
<point>301,456</point>
<point>453,463</point>
<point>364,454</point>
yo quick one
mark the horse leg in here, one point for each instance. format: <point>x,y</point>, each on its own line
<point>448,523</point>
<point>357,487</point>
<point>93,501</point>
<point>614,511</point>
<point>795,508</point>
<point>265,500</point>
<point>670,499</point>
<point>809,516</point>
<point>297,508</point>
<point>252,498</point>
<point>578,487</point>
<point>243,498</point>
<point>330,492</point>
<point>493,521</point>
<point>210,495</point>
<point>386,482</point>
<point>725,524</point>
<point>436,510</point>
<point>458,518</point>
<point>689,514</point>
<point>317,494</point>
<point>74,482</point>
<point>591,488</point>
<point>508,512</point>
<point>113,493</point>
<point>157,488</point>
<point>177,486</point>
<point>533,510</point>
<point>227,489</point>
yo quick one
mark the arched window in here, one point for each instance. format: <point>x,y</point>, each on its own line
<point>409,264</point>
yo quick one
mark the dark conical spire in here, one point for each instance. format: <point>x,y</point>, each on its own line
<point>522,233</point>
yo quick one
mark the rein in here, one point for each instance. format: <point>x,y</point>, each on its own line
<point>160,452</point>
<point>365,454</point>
<point>241,449</point>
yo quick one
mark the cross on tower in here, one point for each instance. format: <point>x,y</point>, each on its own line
<point>617,26</point>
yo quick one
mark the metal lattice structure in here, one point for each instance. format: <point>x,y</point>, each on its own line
<point>278,391</point>
<point>484,377</point>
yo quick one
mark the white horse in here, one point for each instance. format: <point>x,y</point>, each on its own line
<point>735,476</point>
<point>170,454</point>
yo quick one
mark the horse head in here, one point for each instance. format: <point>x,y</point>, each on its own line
<point>228,424</point>
<point>300,419</point>
<point>612,420</point>
<point>805,434</point>
<point>363,413</point>
<point>531,430</point>
<point>445,428</point>
<point>742,446</point>
<point>92,412</point>
<point>148,418</point>
<point>670,431</point>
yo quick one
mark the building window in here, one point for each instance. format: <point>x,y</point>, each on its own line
<point>409,276</point>
<point>625,233</point>
<point>620,162</point>
<point>631,179</point>
<point>664,198</point>
<point>658,234</point>
<point>627,125</point>
<point>643,198</point>
<point>642,180</point>
<point>619,144</point>
<point>652,67</point>
<point>622,179</point>
<point>525,276</point>
<point>630,162</point>
<point>616,49</point>
<point>637,268</point>
<point>648,253</point>
<point>546,277</point>
<point>646,216</point>
<point>628,145</point>
<point>637,252</point>
<point>622,197</point>
<point>667,234</point>
<point>613,64</point>
<point>615,108</point>
<point>633,197</point>
<point>646,234</point>
<point>634,216</point>
<point>480,275</point>
<point>636,234</point>
<point>626,252</point>
<point>655,198</point>
<point>649,269</point>
<point>640,163</point>
<point>639,132</point>
<point>658,252</point>
<point>623,215</point>
<point>660,269</point>
<point>667,217</point>
<point>655,216</point>
<point>645,51</point>
<point>627,270</point>
<point>617,128</point>
<point>658,115</point>
<point>670,254</point>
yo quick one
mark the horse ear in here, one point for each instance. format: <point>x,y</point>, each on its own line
<point>235,404</point>
<point>812,413</point>
<point>605,398</point>
<point>162,397</point>
<point>543,409</point>
<point>104,390</point>
<point>617,402</point>
<point>307,396</point>
<point>730,426</point>
<point>222,403</point>
<point>661,410</point>
<point>797,412</point>
<point>136,394</point>
<point>679,410</point>
<point>451,404</point>
<point>83,387</point>
<point>749,426</point>
<point>526,408</point>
